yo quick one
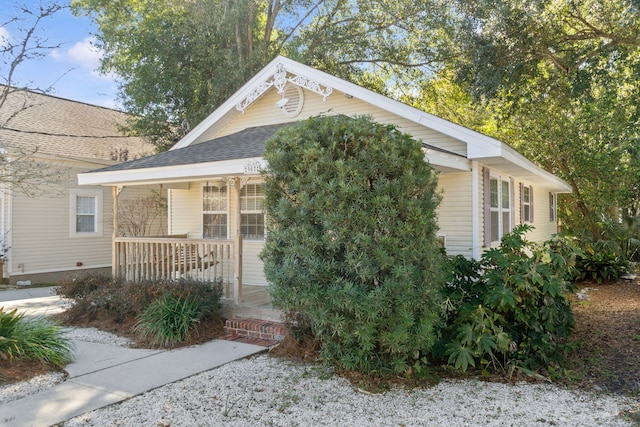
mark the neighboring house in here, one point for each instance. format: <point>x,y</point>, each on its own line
<point>48,224</point>
<point>215,187</point>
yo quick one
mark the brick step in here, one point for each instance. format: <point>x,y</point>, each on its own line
<point>254,331</point>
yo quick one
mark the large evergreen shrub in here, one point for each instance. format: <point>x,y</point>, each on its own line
<point>351,206</point>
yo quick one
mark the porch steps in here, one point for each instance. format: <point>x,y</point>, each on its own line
<point>254,331</point>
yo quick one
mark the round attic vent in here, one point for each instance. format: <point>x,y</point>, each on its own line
<point>291,100</point>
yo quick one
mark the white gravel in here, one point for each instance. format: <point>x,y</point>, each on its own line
<point>263,391</point>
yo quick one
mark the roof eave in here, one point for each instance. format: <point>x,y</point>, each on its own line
<point>171,174</point>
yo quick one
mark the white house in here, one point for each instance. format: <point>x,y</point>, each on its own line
<point>53,227</point>
<point>215,192</point>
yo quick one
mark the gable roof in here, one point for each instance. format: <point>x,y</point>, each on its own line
<point>60,127</point>
<point>488,151</point>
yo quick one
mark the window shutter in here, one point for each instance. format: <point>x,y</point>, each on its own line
<point>531,204</point>
<point>486,199</point>
<point>521,187</point>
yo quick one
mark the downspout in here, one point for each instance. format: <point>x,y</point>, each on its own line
<point>475,208</point>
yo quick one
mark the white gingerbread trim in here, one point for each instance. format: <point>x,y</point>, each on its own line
<point>279,79</point>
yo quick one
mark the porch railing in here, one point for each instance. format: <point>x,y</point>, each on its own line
<point>151,258</point>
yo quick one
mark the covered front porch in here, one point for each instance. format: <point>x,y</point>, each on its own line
<point>177,256</point>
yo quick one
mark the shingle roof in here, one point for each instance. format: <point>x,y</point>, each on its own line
<point>61,127</point>
<point>245,144</point>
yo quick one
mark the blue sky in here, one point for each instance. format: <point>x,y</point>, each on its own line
<point>71,69</point>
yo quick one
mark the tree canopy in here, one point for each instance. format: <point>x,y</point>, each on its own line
<point>557,79</point>
<point>178,60</point>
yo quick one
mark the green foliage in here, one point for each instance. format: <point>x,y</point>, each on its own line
<point>600,264</point>
<point>351,243</point>
<point>33,339</point>
<point>508,310</point>
<point>170,319</point>
<point>178,61</point>
<point>560,82</point>
<point>98,296</point>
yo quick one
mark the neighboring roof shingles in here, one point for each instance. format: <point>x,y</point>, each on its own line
<point>245,144</point>
<point>71,129</point>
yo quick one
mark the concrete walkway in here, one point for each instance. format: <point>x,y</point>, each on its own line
<point>103,374</point>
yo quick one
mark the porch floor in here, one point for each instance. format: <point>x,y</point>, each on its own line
<point>255,304</point>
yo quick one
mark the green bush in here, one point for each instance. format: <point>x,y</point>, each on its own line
<point>351,246</point>
<point>33,339</point>
<point>508,310</point>
<point>170,319</point>
<point>78,286</point>
<point>103,297</point>
<point>599,263</point>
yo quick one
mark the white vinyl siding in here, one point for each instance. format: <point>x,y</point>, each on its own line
<point>455,213</point>
<point>39,246</point>
<point>263,112</point>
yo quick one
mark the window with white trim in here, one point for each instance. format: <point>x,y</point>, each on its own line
<point>251,211</point>
<point>526,204</point>
<point>215,202</point>
<point>500,208</point>
<point>85,213</point>
<point>552,207</point>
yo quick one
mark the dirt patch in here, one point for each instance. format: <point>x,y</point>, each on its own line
<point>305,350</point>
<point>207,329</point>
<point>22,370</point>
<point>607,338</point>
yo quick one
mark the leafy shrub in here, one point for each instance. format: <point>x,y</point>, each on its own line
<point>600,264</point>
<point>170,319</point>
<point>508,310</point>
<point>33,339</point>
<point>80,285</point>
<point>351,247</point>
<point>100,296</point>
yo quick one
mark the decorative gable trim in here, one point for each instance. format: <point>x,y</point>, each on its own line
<point>279,79</point>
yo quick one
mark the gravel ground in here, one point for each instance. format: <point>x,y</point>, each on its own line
<point>264,391</point>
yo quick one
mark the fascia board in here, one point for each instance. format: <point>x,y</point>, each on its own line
<point>167,173</point>
<point>522,162</point>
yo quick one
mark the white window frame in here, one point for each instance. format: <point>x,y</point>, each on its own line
<point>553,207</point>
<point>245,211</point>
<point>215,212</point>
<point>526,204</point>
<point>500,209</point>
<point>97,195</point>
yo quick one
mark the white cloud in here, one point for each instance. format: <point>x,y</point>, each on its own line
<point>4,37</point>
<point>84,55</point>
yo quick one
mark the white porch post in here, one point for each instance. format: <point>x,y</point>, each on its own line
<point>475,208</point>
<point>115,268</point>
<point>237,268</point>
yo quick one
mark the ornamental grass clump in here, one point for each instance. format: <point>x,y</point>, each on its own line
<point>169,320</point>
<point>33,339</point>
<point>352,245</point>
<point>173,316</point>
